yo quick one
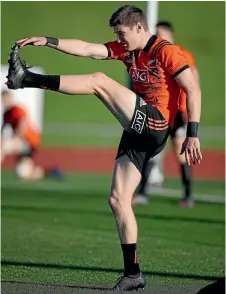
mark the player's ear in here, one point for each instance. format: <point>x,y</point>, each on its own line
<point>139,27</point>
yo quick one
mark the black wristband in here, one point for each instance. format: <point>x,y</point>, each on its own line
<point>192,129</point>
<point>52,42</point>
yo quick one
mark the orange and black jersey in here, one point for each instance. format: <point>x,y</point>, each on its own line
<point>153,70</point>
<point>13,116</point>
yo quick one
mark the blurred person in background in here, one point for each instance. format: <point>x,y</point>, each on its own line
<point>154,174</point>
<point>21,138</point>
<point>155,66</point>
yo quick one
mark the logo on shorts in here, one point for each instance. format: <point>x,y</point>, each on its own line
<point>138,121</point>
<point>142,102</point>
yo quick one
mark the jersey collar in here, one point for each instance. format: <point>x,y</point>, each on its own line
<point>150,43</point>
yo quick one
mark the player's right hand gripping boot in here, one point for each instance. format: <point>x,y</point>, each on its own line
<point>17,69</point>
<point>130,284</point>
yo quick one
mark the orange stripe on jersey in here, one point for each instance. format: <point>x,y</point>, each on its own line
<point>159,46</point>
<point>158,121</point>
<point>158,124</point>
<point>157,127</point>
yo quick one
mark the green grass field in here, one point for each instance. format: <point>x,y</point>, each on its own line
<point>65,233</point>
<point>195,30</point>
<point>102,135</point>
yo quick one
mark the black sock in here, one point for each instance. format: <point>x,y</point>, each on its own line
<point>186,180</point>
<point>131,265</point>
<point>47,82</point>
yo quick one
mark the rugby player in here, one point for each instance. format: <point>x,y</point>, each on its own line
<point>23,141</point>
<point>159,71</point>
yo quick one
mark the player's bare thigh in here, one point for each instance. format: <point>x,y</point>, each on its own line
<point>117,98</point>
<point>125,180</point>
<point>120,100</point>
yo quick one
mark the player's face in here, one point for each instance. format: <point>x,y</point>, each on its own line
<point>128,37</point>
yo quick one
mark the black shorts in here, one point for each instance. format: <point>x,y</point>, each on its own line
<point>148,136</point>
<point>179,128</point>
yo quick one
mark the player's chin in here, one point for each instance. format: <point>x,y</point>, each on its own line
<point>128,48</point>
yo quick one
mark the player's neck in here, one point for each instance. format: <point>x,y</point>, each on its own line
<point>144,40</point>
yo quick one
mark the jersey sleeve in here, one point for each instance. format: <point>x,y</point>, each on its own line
<point>115,50</point>
<point>19,113</point>
<point>172,59</point>
<point>190,58</point>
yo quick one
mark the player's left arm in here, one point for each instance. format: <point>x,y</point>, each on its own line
<point>175,63</point>
<point>192,65</point>
<point>195,72</point>
<point>188,84</point>
<point>191,145</point>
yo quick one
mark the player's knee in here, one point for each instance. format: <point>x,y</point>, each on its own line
<point>99,76</point>
<point>99,79</point>
<point>114,201</point>
<point>118,201</point>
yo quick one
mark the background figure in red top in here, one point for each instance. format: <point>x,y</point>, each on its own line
<point>159,70</point>
<point>22,139</point>
<point>154,175</point>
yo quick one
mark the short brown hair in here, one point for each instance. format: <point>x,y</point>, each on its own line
<point>128,15</point>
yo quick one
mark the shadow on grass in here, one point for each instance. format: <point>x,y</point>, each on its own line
<point>109,270</point>
<point>59,285</point>
<point>106,213</point>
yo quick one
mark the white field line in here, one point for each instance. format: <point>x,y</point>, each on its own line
<point>175,193</point>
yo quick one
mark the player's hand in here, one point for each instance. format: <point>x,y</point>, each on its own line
<point>191,148</point>
<point>35,41</point>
